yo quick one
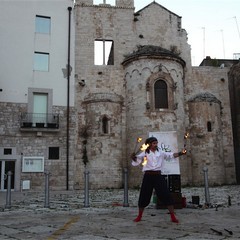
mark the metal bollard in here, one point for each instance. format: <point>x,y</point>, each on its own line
<point>8,196</point>
<point>46,203</point>
<point>207,195</point>
<point>229,201</point>
<point>86,189</point>
<point>125,203</point>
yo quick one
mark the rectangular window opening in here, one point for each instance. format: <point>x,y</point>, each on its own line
<point>42,24</point>
<point>103,52</point>
<point>7,151</point>
<point>41,61</point>
<point>53,153</point>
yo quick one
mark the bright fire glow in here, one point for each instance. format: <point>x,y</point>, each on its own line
<point>186,135</point>
<point>144,147</point>
<point>139,139</point>
<point>144,161</point>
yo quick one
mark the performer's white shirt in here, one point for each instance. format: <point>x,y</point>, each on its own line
<point>154,160</point>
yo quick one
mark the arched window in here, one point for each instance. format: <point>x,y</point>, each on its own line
<point>161,94</point>
<point>105,125</point>
<point>209,126</point>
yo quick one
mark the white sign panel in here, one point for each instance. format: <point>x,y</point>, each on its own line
<point>167,141</point>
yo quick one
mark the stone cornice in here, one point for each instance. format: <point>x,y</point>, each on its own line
<point>102,6</point>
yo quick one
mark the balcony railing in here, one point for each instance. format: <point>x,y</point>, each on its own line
<point>39,120</point>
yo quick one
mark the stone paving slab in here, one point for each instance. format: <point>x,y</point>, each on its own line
<point>106,218</point>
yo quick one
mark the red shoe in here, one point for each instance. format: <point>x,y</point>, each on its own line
<point>137,219</point>
<point>173,218</point>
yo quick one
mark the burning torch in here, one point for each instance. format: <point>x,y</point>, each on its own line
<point>142,148</point>
<point>137,142</point>
<point>186,136</point>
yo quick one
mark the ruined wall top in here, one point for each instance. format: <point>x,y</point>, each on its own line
<point>118,3</point>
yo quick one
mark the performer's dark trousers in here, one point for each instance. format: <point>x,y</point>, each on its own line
<point>154,180</point>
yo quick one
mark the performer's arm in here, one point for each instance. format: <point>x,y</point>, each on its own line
<point>183,152</point>
<point>137,159</point>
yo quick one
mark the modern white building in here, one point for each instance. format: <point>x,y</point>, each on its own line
<point>36,90</point>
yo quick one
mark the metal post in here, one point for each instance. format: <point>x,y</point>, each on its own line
<point>125,203</point>
<point>86,190</point>
<point>46,204</point>
<point>8,196</point>
<point>207,195</point>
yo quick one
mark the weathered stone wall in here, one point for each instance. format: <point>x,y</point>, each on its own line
<point>132,78</point>
<point>36,143</point>
<point>234,87</point>
<point>214,81</point>
<point>105,152</point>
<point>206,141</point>
<point>140,118</point>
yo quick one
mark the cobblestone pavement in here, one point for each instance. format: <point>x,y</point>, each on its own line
<point>106,218</point>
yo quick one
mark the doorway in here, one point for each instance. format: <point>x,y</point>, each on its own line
<point>5,167</point>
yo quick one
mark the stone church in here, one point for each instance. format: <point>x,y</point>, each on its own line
<point>144,82</point>
<point>131,77</point>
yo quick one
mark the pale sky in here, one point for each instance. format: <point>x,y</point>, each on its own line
<point>213,26</point>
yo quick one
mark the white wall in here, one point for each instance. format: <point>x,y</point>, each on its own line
<point>19,41</point>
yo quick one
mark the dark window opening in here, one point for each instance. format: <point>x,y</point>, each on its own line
<point>53,153</point>
<point>209,126</point>
<point>161,94</point>
<point>103,52</point>
<point>7,151</point>
<point>105,125</point>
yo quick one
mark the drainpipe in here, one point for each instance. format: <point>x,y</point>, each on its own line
<point>68,93</point>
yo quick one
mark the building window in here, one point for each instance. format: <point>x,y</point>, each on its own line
<point>42,24</point>
<point>104,125</point>
<point>33,164</point>
<point>40,105</point>
<point>103,52</point>
<point>7,151</point>
<point>209,126</point>
<point>161,94</point>
<point>41,61</point>
<point>53,153</point>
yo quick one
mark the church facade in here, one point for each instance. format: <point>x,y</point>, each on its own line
<point>147,84</point>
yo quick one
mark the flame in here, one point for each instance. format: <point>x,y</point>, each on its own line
<point>144,147</point>
<point>184,151</point>
<point>139,139</point>
<point>186,136</point>
<point>144,161</point>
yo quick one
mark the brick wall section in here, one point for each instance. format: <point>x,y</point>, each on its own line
<point>29,144</point>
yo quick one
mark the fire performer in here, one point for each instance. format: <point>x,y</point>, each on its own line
<point>152,160</point>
